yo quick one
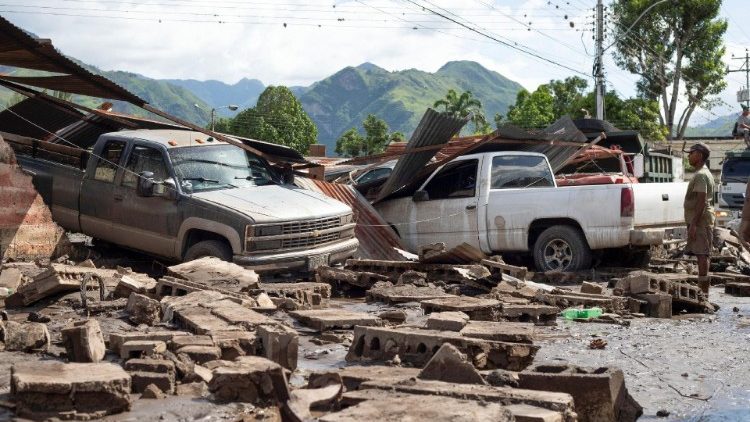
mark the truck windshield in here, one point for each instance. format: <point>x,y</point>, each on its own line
<point>735,170</point>
<point>213,167</point>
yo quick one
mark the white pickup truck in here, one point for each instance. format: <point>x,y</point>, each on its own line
<point>509,202</point>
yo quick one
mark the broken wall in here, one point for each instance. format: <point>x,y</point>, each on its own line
<point>26,227</point>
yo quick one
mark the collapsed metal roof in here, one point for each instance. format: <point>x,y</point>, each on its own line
<point>19,49</point>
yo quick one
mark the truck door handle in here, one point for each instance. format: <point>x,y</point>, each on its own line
<point>118,197</point>
<point>665,197</point>
<point>471,207</point>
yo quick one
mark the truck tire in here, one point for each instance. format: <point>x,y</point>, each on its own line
<point>561,248</point>
<point>215,248</point>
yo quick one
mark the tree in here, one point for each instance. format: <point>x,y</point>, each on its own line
<point>536,109</point>
<point>462,106</point>
<point>632,113</point>
<point>567,94</point>
<point>377,136</point>
<point>278,117</point>
<point>676,49</point>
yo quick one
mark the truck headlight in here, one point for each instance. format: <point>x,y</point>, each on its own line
<point>346,219</point>
<point>721,213</point>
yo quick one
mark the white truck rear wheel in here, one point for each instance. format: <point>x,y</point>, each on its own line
<point>561,248</point>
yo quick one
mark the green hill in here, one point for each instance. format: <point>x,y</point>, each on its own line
<point>343,100</point>
<point>721,126</point>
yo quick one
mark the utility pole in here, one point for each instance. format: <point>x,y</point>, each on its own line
<point>599,62</point>
<point>743,95</point>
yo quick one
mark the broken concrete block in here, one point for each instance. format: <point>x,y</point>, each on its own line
<point>537,314</point>
<point>280,344</point>
<point>417,346</point>
<point>300,401</point>
<point>11,278</point>
<point>346,279</point>
<point>152,392</point>
<point>201,354</point>
<point>326,319</point>
<point>73,390</point>
<point>415,278</point>
<point>526,413</point>
<point>182,341</point>
<point>116,340</point>
<point>141,348</point>
<point>448,364</point>
<point>214,272</point>
<point>561,403</point>
<point>234,344</point>
<point>59,278</point>
<point>84,341</point>
<point>192,389</point>
<point>143,310</point>
<point>447,321</point>
<point>658,305</point>
<point>133,283</point>
<point>476,308</point>
<point>419,408</point>
<point>393,316</point>
<point>144,372</point>
<point>25,336</point>
<point>354,375</point>
<point>515,332</point>
<point>599,393</point>
<point>389,293</point>
<point>591,288</point>
<point>250,379</point>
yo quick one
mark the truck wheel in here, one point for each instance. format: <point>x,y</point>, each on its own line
<point>214,248</point>
<point>561,248</point>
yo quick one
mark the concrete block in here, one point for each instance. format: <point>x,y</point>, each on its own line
<point>448,364</point>
<point>143,309</point>
<point>250,379</point>
<point>417,346</point>
<point>75,390</point>
<point>201,354</point>
<point>447,321</point>
<point>140,380</point>
<point>234,344</point>
<point>11,278</point>
<point>393,407</point>
<point>25,336</point>
<point>116,340</point>
<point>279,344</point>
<point>537,314</point>
<point>658,305</point>
<point>476,308</point>
<point>214,272</point>
<point>133,283</point>
<point>591,288</point>
<point>737,289</point>
<point>84,341</point>
<point>599,393</point>
<point>353,375</point>
<point>182,341</point>
<point>326,319</point>
<point>389,293</point>
<point>515,332</point>
<point>142,348</point>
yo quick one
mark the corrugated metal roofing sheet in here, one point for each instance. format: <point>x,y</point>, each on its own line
<point>434,129</point>
<point>36,118</point>
<point>19,49</point>
<point>376,238</point>
<point>461,254</point>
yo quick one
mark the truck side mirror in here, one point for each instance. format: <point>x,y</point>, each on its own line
<point>170,189</point>
<point>145,185</point>
<point>420,196</point>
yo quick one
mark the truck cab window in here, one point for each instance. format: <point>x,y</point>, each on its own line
<point>520,171</point>
<point>144,159</point>
<point>106,166</point>
<point>455,180</point>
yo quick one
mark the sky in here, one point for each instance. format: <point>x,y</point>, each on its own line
<point>298,42</point>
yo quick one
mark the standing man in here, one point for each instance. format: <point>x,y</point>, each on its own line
<point>743,125</point>
<point>699,212</point>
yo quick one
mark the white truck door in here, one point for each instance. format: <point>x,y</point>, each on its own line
<point>448,212</point>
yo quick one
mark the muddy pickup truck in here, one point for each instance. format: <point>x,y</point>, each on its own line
<point>509,202</point>
<point>182,195</point>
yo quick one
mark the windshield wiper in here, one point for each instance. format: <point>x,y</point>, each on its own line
<point>201,179</point>
<point>255,179</point>
<point>734,179</point>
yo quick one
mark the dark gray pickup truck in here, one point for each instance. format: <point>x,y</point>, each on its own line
<point>183,195</point>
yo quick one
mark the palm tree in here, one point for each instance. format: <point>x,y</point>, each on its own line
<point>462,106</point>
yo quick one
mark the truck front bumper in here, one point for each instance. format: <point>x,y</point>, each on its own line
<point>307,259</point>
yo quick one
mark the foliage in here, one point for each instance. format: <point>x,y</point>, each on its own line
<point>278,117</point>
<point>462,106</point>
<point>353,144</point>
<point>535,109</point>
<point>676,48</point>
<point>632,113</point>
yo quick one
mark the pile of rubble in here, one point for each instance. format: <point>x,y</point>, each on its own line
<point>109,337</point>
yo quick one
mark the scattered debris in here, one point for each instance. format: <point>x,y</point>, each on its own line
<point>598,343</point>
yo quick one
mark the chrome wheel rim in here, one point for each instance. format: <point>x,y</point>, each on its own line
<point>557,254</point>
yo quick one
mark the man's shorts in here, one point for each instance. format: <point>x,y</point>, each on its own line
<point>701,243</point>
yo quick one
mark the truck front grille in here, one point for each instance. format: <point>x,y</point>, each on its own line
<point>310,225</point>
<point>303,242</point>
<point>733,200</point>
